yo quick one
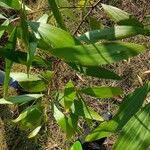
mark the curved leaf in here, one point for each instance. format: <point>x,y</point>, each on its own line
<point>136,133</point>
<point>98,54</point>
<point>102,92</point>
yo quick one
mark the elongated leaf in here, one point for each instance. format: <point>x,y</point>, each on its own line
<point>20,99</point>
<point>68,124</point>
<point>21,57</point>
<point>34,132</point>
<point>121,17</point>
<point>69,95</point>
<point>57,14</point>
<point>8,63</point>
<point>98,54</point>
<point>14,4</point>
<point>31,84</point>
<point>52,35</point>
<point>95,71</point>
<point>136,134</point>
<point>80,109</point>
<point>43,19</point>
<point>102,92</point>
<point>113,33</point>
<point>76,146</point>
<point>129,107</point>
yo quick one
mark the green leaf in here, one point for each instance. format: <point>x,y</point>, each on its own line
<point>76,146</point>
<point>32,119</point>
<point>43,19</point>
<point>52,35</point>
<point>102,92</point>
<point>95,71</point>
<point>20,99</point>
<point>3,27</point>
<point>94,24</point>
<point>69,94</point>
<point>129,107</point>
<point>79,108</point>
<point>14,4</point>
<point>98,54</point>
<point>57,14</point>
<point>30,84</point>
<point>68,124</point>
<point>34,132</point>
<point>136,133</point>
<point>21,57</point>
<point>8,64</point>
<point>121,17</point>
<point>113,33</point>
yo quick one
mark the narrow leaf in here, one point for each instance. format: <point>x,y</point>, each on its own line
<point>10,4</point>
<point>95,71</point>
<point>121,17</point>
<point>20,99</point>
<point>69,95</point>
<point>102,92</point>
<point>34,132</point>
<point>57,14</point>
<point>113,33</point>
<point>98,54</point>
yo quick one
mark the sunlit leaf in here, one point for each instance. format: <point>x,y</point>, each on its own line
<point>52,35</point>
<point>34,132</point>
<point>68,124</point>
<point>30,84</point>
<point>102,92</point>
<point>98,54</point>
<point>121,17</point>
<point>76,146</point>
<point>113,33</point>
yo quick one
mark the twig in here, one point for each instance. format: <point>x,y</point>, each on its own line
<point>84,18</point>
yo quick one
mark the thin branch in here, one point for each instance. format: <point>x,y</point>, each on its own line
<point>84,18</point>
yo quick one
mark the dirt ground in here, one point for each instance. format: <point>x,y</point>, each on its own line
<point>133,72</point>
